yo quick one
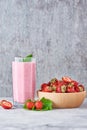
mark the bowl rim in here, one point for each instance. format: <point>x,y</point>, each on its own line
<point>55,93</point>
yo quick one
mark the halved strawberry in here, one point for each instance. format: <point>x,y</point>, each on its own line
<point>6,104</point>
<point>66,79</point>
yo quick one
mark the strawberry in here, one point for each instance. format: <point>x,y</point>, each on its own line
<point>62,83</point>
<point>6,104</point>
<point>30,105</point>
<point>66,79</point>
<point>65,85</point>
<point>74,83</point>
<point>61,89</point>
<point>58,89</point>
<point>47,89</point>
<point>54,80</point>
<point>54,87</point>
<point>38,105</point>
<point>54,84</point>
<point>81,88</point>
<point>43,86</point>
<point>70,89</point>
<point>77,89</point>
<point>49,83</point>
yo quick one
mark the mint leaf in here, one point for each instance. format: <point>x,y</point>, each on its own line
<point>47,104</point>
<point>30,55</point>
<point>28,58</point>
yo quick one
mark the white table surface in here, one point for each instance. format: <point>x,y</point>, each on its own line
<point>56,119</point>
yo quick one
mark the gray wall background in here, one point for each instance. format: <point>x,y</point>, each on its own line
<point>55,31</point>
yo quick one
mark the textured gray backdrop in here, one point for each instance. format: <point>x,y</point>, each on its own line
<point>55,31</point>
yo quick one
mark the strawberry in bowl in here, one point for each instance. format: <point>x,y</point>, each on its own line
<point>64,92</point>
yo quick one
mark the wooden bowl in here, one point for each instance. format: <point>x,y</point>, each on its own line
<point>64,100</point>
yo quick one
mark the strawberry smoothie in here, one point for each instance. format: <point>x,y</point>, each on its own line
<point>24,80</point>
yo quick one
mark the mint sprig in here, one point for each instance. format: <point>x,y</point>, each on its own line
<point>28,58</point>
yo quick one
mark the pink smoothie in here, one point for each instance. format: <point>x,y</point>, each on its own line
<point>24,80</point>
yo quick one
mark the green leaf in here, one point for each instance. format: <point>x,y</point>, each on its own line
<point>24,106</point>
<point>47,104</point>
<point>28,58</point>
<point>30,55</point>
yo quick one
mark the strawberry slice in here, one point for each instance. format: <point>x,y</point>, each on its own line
<point>66,79</point>
<point>6,104</point>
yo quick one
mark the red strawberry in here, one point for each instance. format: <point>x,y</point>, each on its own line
<point>43,86</point>
<point>54,82</point>
<point>77,89</point>
<point>54,86</point>
<point>74,83</point>
<point>81,88</point>
<point>30,105</point>
<point>66,79</point>
<point>70,89</point>
<point>61,89</point>
<point>62,83</point>
<point>6,104</point>
<point>38,105</point>
<point>58,89</point>
<point>49,83</point>
<point>47,89</point>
